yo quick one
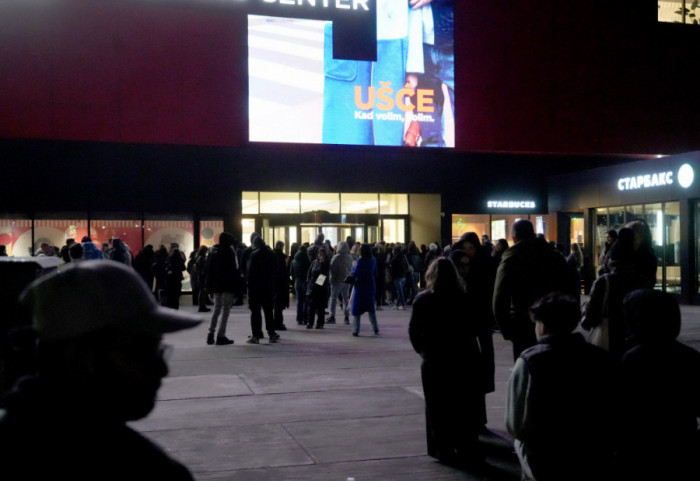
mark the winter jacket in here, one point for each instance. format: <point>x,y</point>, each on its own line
<point>341,264</point>
<point>222,273</point>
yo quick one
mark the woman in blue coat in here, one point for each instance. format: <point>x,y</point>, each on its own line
<point>364,273</point>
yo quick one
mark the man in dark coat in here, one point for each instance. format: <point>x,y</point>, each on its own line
<point>529,270</point>
<point>281,286</point>
<point>261,271</point>
<point>100,364</point>
<point>222,280</point>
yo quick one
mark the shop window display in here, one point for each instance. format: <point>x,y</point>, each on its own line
<point>166,232</point>
<point>678,11</point>
<point>209,232</point>
<point>53,231</point>
<point>16,236</point>
<point>129,231</point>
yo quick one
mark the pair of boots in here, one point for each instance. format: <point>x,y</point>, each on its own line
<point>219,341</point>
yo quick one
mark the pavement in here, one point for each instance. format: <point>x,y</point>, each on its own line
<point>319,405</point>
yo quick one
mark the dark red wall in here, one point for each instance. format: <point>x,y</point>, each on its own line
<point>532,76</point>
<point>121,71</point>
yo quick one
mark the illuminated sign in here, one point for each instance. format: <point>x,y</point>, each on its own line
<point>685,179</point>
<point>686,175</point>
<point>340,4</point>
<point>645,181</point>
<point>510,204</point>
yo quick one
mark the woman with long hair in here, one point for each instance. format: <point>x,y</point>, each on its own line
<point>441,332</point>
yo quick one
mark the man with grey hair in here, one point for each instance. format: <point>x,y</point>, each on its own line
<point>100,365</point>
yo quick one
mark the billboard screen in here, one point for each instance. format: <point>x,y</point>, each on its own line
<point>299,92</point>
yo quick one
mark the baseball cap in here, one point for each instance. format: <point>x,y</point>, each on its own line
<point>88,296</point>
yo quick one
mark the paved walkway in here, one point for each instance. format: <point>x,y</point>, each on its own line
<point>320,405</point>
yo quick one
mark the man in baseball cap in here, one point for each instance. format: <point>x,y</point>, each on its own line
<point>100,364</point>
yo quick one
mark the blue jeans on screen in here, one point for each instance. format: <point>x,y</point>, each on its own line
<point>340,79</point>
<point>439,68</point>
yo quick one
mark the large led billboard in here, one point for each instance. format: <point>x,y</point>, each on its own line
<point>300,92</point>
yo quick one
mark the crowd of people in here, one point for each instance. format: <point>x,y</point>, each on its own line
<point>623,402</point>
<point>626,394</point>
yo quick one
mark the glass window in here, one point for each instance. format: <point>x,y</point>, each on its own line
<point>330,234</point>
<point>209,232</point>
<point>653,215</point>
<point>313,201</point>
<point>279,202</point>
<point>292,237</point>
<point>166,232</point>
<point>461,224</point>
<point>16,236</point>
<point>55,232</point>
<point>672,246</point>
<point>372,234</point>
<point>247,228</point>
<point>633,212</point>
<point>541,225</point>
<point>250,203</point>
<point>345,232</point>
<point>309,234</point>
<point>280,234</point>
<point>678,11</point>
<point>601,228</point>
<point>393,204</point>
<point>393,230</point>
<point>359,234</point>
<point>616,218</point>
<point>498,230</point>
<point>359,203</point>
<point>128,231</point>
<point>501,230</point>
<point>577,231</point>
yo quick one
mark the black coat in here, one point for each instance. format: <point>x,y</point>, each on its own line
<point>261,272</point>
<point>529,270</point>
<point>620,282</point>
<point>281,279</point>
<point>318,293</point>
<point>480,279</point>
<point>45,436</point>
<point>660,387</point>
<point>221,271</point>
<point>300,265</point>
<point>441,331</point>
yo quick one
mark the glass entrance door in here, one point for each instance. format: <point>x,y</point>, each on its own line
<point>286,234</point>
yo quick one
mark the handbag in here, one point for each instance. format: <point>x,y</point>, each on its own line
<point>600,334</point>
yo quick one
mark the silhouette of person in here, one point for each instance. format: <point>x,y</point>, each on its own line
<point>660,393</point>
<point>529,269</point>
<point>441,331</point>
<point>100,364</point>
<point>558,401</point>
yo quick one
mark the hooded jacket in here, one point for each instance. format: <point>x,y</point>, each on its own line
<point>341,264</point>
<point>222,272</point>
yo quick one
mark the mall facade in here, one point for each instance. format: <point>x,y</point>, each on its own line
<point>130,119</point>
